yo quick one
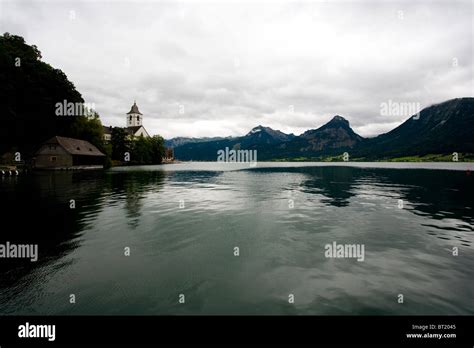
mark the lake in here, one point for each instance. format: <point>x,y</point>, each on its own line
<point>217,238</point>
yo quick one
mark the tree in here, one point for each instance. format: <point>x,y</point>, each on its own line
<point>141,151</point>
<point>29,91</point>
<point>147,150</point>
<point>88,128</point>
<point>120,143</point>
<point>157,144</point>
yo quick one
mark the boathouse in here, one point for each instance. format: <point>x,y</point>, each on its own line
<point>68,153</point>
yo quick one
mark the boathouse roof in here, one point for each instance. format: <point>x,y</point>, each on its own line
<point>75,146</point>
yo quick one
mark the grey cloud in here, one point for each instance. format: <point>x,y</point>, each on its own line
<point>236,65</point>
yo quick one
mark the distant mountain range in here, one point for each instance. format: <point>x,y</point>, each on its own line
<point>178,141</point>
<point>439,129</point>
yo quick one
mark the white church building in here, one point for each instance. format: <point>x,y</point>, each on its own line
<point>134,125</point>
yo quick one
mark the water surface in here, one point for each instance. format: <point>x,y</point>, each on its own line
<point>183,221</point>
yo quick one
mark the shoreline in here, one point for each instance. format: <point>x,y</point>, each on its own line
<point>230,166</point>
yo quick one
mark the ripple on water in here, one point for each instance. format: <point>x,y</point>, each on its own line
<point>183,222</point>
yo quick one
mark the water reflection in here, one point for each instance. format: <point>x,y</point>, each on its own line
<point>437,194</point>
<point>190,249</point>
<point>36,209</point>
<point>133,187</point>
<point>334,183</point>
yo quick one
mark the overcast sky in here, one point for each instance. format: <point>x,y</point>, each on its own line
<point>231,66</point>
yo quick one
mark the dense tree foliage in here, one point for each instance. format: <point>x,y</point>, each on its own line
<point>120,144</point>
<point>157,144</point>
<point>29,92</point>
<point>147,150</point>
<point>88,128</point>
<point>141,150</point>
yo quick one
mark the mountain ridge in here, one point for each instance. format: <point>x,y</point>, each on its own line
<point>438,128</point>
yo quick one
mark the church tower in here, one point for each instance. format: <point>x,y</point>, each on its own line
<point>134,117</point>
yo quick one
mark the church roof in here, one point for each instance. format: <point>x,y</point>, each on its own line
<point>75,146</point>
<point>132,130</point>
<point>134,109</point>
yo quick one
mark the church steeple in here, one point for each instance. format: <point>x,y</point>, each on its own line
<point>134,116</point>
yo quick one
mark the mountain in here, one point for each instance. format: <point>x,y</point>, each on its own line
<point>334,137</point>
<point>263,139</point>
<point>178,141</point>
<point>336,133</point>
<point>260,136</point>
<point>439,129</point>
